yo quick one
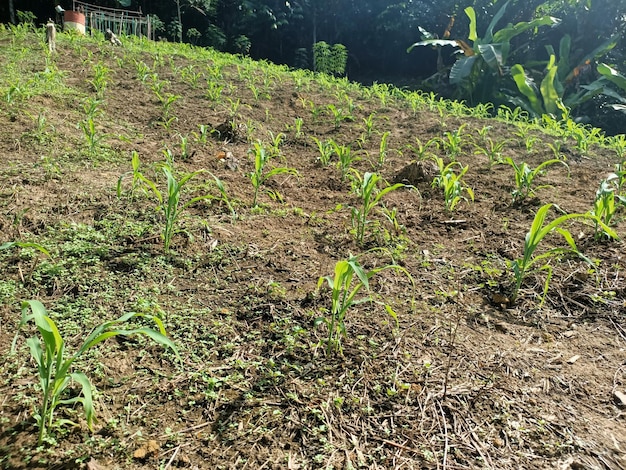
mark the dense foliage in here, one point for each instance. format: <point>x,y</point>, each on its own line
<point>377,34</point>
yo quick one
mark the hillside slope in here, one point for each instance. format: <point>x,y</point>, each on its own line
<point>468,376</point>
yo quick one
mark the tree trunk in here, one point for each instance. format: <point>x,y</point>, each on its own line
<point>12,12</point>
<point>180,22</point>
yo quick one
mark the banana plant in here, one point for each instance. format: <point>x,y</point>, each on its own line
<point>482,64</point>
<point>552,96</point>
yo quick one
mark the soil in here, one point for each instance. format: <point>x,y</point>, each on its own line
<point>466,378</point>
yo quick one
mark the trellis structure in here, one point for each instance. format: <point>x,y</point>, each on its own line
<point>119,21</point>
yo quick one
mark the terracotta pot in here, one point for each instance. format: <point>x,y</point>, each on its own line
<point>74,20</point>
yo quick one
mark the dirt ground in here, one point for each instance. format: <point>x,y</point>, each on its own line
<point>465,379</point>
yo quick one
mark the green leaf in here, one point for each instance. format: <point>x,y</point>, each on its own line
<point>462,69</point>
<point>471,14</point>
<point>434,42</point>
<point>494,54</point>
<point>548,92</point>
<point>612,75</point>
<point>494,21</point>
<point>87,399</point>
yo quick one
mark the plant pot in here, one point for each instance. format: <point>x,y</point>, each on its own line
<point>74,20</point>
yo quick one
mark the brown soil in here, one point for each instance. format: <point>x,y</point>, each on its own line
<point>466,380</point>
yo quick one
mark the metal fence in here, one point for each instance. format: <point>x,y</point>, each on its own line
<point>119,21</point>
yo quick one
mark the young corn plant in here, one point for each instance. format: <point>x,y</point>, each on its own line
<point>203,134</point>
<point>452,142</point>
<point>370,197</point>
<point>345,158</point>
<point>338,115</point>
<point>452,184</point>
<point>54,366</point>
<point>325,149</point>
<point>368,126</point>
<point>276,141</point>
<point>526,264</point>
<point>169,201</point>
<point>606,202</point>
<point>421,150</point>
<point>92,136</point>
<point>382,149</point>
<point>345,285</point>
<point>259,176</point>
<point>136,175</point>
<point>525,177</point>
<point>100,79</point>
<point>296,128</point>
<point>492,150</point>
<point>167,117</point>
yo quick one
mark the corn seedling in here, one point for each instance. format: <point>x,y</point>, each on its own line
<point>344,296</point>
<point>91,106</point>
<point>345,158</point>
<point>370,197</point>
<point>607,201</point>
<point>452,184</point>
<point>135,173</point>
<point>420,149</point>
<point>184,146</point>
<point>166,107</point>
<point>452,141</point>
<point>368,126</point>
<point>169,202</point>
<point>492,150</point>
<point>556,149</point>
<point>620,172</point>
<point>190,76</point>
<point>259,176</point>
<point>297,127</point>
<point>316,111</point>
<point>54,367</point>
<point>276,141</point>
<point>100,79</point>
<point>482,133</point>
<point>523,266</point>
<point>618,144</point>
<point>223,197</point>
<point>326,150</point>
<point>338,115</point>
<point>525,177</point>
<point>213,90</point>
<point>202,137</point>
<point>92,137</point>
